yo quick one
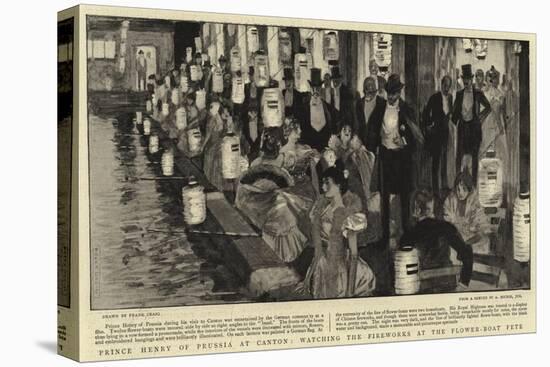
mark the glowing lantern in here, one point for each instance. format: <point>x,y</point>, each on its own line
<point>272,107</point>
<point>194,203</point>
<point>261,71</point>
<point>330,46</point>
<point>490,180</point>
<point>407,278</point>
<point>217,80</point>
<point>231,156</point>
<point>235,59</point>
<point>237,90</point>
<point>522,228</point>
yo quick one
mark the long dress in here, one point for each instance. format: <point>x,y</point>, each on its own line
<point>213,151</point>
<point>327,276</point>
<point>493,133</point>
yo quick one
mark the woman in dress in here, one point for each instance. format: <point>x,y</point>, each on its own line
<point>215,131</point>
<point>336,261</point>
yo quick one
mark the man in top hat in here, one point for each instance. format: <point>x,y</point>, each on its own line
<point>392,133</point>
<point>141,67</point>
<point>342,100</point>
<point>291,96</point>
<point>435,119</point>
<point>468,115</point>
<point>316,116</point>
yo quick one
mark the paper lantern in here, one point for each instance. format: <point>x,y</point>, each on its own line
<point>167,163</point>
<point>153,144</point>
<point>181,118</point>
<point>213,53</point>
<point>406,262</point>
<point>231,156</point>
<point>175,97</point>
<point>301,72</point>
<point>272,107</point>
<point>194,140</point>
<point>490,180</point>
<point>165,109</point>
<point>261,71</point>
<point>217,80</point>
<point>235,59</point>
<point>330,46</point>
<point>285,47</point>
<point>237,90</point>
<point>252,38</point>
<point>194,203</point>
<point>522,228</point>
<point>194,73</point>
<point>146,127</point>
<point>200,99</point>
<point>184,84</point>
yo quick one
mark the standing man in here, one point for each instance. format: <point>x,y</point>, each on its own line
<point>315,115</point>
<point>468,117</point>
<point>380,82</point>
<point>342,100</point>
<point>141,67</point>
<point>392,132</point>
<point>290,94</point>
<point>436,117</point>
<point>365,106</point>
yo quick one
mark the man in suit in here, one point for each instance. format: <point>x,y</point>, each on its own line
<point>316,116</point>
<point>342,100</point>
<point>468,116</point>
<point>141,67</point>
<point>380,81</point>
<point>365,106</point>
<point>390,130</point>
<point>291,96</point>
<point>435,118</point>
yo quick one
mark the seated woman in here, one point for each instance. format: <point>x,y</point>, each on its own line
<point>462,209</point>
<point>334,266</point>
<point>263,195</point>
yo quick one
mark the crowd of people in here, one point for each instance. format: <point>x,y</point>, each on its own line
<point>324,176</point>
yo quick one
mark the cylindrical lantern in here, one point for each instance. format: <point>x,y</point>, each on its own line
<point>490,180</point>
<point>194,203</point>
<point>184,84</point>
<point>285,47</point>
<point>146,127</point>
<point>200,99</point>
<point>148,106</point>
<point>407,278</point>
<point>522,228</point>
<point>231,156</point>
<point>217,80</point>
<point>139,117</point>
<point>235,59</point>
<point>194,139</point>
<point>188,54</point>
<point>153,144</point>
<point>272,107</point>
<point>175,97</point>
<point>301,72</point>
<point>167,163</point>
<point>261,71</point>
<point>330,46</point>
<point>237,90</point>
<point>194,72</point>
<point>253,41</point>
<point>181,118</point>
<point>165,109</point>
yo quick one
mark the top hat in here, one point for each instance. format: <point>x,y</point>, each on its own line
<point>315,80</point>
<point>222,58</point>
<point>206,63</point>
<point>198,54</point>
<point>467,71</point>
<point>394,84</point>
<point>288,74</point>
<point>335,72</point>
<point>140,52</point>
<point>302,50</point>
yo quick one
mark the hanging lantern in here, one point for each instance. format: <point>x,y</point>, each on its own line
<point>194,203</point>
<point>237,90</point>
<point>153,144</point>
<point>139,117</point>
<point>175,97</point>
<point>261,70</point>
<point>253,41</point>
<point>181,118</point>
<point>165,109</point>
<point>194,139</point>
<point>146,127</point>
<point>301,72</point>
<point>235,59</point>
<point>198,44</point>
<point>480,48</point>
<point>217,80</point>
<point>330,46</point>
<point>467,45</point>
<point>184,84</point>
<point>285,47</point>
<point>200,99</point>
<point>407,278</point>
<point>231,156</point>
<point>272,107</point>
<point>148,106</point>
<point>522,228</point>
<point>490,180</point>
<point>194,72</point>
<point>188,55</point>
<point>213,53</point>
<point>167,163</point>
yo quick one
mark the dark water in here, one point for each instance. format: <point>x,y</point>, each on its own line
<point>141,256</point>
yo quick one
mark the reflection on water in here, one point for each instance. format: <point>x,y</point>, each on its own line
<point>141,256</point>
